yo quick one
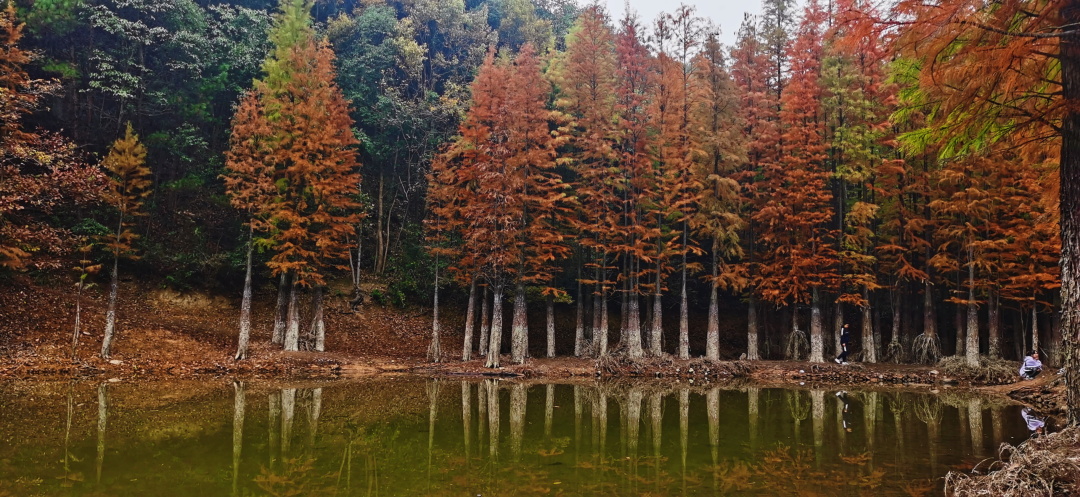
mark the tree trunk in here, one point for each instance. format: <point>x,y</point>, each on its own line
<point>994,325</point>
<point>550,326</point>
<point>495,343</point>
<point>632,337</point>
<point>599,338</point>
<point>896,347</point>
<point>380,238</point>
<point>579,323</point>
<point>519,333</point>
<point>78,319</point>
<point>466,348</point>
<point>485,323</point>
<point>960,320</point>
<point>817,353</point>
<point>929,316</point>
<point>110,315</point>
<point>712,334</point>
<point>605,329</point>
<point>281,311</point>
<point>684,320</point>
<point>245,306</point>
<point>292,330</point>
<point>838,322</point>
<point>752,330</point>
<point>318,324</point>
<point>657,332</point>
<point>869,334</point>
<point>549,409</point>
<point>1034,327</point>
<point>972,314</point>
<point>435,348</point>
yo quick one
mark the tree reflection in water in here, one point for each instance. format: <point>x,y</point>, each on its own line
<point>412,439</point>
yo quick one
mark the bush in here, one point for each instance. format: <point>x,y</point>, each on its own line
<point>989,371</point>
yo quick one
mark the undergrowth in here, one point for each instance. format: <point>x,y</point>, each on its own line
<point>1043,466</point>
<point>989,371</point>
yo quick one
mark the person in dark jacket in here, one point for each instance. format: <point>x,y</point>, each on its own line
<point>845,340</point>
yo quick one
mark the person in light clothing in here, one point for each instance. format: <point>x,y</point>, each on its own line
<point>1031,367</point>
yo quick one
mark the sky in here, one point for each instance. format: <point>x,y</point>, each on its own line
<point>728,14</point>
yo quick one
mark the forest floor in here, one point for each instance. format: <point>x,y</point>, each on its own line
<point>162,333</point>
<point>165,334</point>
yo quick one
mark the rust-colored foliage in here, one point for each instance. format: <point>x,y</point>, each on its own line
<point>40,173</point>
<point>292,165</point>
<point>129,185</point>
<point>495,187</point>
<point>798,249</point>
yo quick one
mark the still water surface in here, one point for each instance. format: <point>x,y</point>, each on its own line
<point>410,436</point>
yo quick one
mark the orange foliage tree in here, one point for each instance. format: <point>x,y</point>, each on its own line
<point>1009,69</point>
<point>496,186</point>
<point>718,151</point>
<point>760,132</point>
<point>306,150</point>
<point>585,77</point>
<point>634,83</point>
<point>40,172</point>
<point>129,184</point>
<point>799,255</point>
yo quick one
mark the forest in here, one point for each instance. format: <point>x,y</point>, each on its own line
<point>903,169</point>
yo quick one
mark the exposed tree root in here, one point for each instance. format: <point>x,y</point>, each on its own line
<point>989,371</point>
<point>1044,466</point>
<point>797,347</point>
<point>894,352</point>
<point>926,349</point>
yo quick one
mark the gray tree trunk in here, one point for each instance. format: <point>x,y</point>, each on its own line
<point>684,313</point>
<point>435,347</point>
<point>752,349</point>
<point>972,314</point>
<point>994,325</point>
<point>495,345</point>
<point>632,336</point>
<point>292,331</point>
<point>712,334</point>
<point>657,322</point>
<point>318,324</point>
<point>579,323</point>
<point>110,315</point>
<point>817,349</point>
<point>245,306</point>
<point>869,334</point>
<point>550,326</point>
<point>281,312</point>
<point>485,322</point>
<point>519,332</point>
<point>466,348</point>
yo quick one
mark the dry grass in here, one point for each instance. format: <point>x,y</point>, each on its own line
<point>988,372</point>
<point>1045,466</point>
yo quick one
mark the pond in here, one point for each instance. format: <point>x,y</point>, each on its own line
<point>491,437</point>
